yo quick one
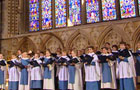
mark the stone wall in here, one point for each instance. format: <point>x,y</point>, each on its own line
<point>15,36</point>
<point>77,37</point>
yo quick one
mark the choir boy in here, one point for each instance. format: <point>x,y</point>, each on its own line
<point>13,73</point>
<point>92,70</point>
<point>108,79</point>
<point>75,74</point>
<point>124,70</point>
<point>138,62</point>
<point>36,73</point>
<point>24,79</point>
<point>63,71</point>
<point>2,72</point>
<point>48,79</point>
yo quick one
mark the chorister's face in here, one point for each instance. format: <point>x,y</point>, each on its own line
<point>19,52</point>
<point>104,50</point>
<point>82,51</point>
<point>73,54</point>
<point>13,56</point>
<point>109,50</point>
<point>36,56</point>
<point>122,46</point>
<point>41,54</point>
<point>107,45</point>
<point>114,49</point>
<point>90,50</point>
<point>138,45</point>
<point>58,53</point>
<point>48,54</point>
<point>79,52</point>
<point>25,55</point>
<point>1,56</point>
<point>64,53</point>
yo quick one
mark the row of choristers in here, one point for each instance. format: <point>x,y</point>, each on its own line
<point>107,69</point>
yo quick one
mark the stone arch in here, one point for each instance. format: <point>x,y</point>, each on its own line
<point>26,44</point>
<point>52,42</point>
<point>78,40</point>
<point>112,32</point>
<point>136,37</point>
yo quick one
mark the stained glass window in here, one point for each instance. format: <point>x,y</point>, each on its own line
<point>74,12</point>
<point>46,14</point>
<point>127,8</point>
<point>92,8</point>
<point>34,15</point>
<point>60,13</point>
<point>108,10</point>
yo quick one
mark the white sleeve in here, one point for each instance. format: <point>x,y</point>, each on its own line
<point>95,58</point>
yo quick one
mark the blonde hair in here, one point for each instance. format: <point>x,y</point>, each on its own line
<point>48,50</point>
<point>75,51</point>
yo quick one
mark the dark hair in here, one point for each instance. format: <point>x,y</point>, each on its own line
<point>48,50</point>
<point>115,46</point>
<point>104,48</point>
<point>124,43</point>
<point>75,51</point>
<point>110,49</point>
<point>92,47</point>
<point>128,45</point>
<point>42,52</point>
<point>14,54</point>
<point>107,43</point>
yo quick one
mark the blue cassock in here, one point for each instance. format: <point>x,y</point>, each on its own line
<point>138,65</point>
<point>24,72</point>
<point>1,76</point>
<point>71,74</point>
<point>47,72</point>
<point>106,71</point>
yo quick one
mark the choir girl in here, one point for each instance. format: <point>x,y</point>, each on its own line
<point>2,72</point>
<point>13,73</point>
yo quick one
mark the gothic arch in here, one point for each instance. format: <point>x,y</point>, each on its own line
<point>136,37</point>
<point>112,29</point>
<point>26,44</point>
<point>78,40</point>
<point>51,41</point>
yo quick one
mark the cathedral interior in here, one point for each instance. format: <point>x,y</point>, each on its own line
<point>67,24</point>
<point>25,25</point>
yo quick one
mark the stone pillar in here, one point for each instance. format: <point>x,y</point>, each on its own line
<point>118,9</point>
<point>83,11</point>
<point>53,14</point>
